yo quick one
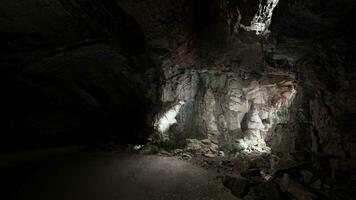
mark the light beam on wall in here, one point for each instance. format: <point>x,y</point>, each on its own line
<point>168,118</point>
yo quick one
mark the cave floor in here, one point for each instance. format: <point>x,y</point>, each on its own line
<point>112,175</point>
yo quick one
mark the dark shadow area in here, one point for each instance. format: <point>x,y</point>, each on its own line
<point>86,87</point>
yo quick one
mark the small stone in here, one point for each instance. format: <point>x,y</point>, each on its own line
<point>221,154</point>
<point>137,147</point>
<point>210,155</point>
<point>178,151</point>
<point>206,141</point>
<point>186,156</point>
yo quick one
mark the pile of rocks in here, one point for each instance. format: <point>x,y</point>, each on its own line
<point>291,180</point>
<point>204,147</point>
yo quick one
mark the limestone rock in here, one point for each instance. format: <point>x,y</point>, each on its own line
<point>224,107</point>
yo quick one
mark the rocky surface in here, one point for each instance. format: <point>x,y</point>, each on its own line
<point>72,77</point>
<point>88,71</point>
<point>113,175</point>
<point>227,107</point>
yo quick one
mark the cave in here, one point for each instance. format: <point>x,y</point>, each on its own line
<point>178,99</point>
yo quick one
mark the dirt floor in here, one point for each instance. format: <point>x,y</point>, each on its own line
<point>112,175</point>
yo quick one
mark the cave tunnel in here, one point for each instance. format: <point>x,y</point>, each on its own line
<point>177,99</point>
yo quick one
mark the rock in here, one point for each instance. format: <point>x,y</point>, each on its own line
<point>294,188</point>
<point>227,106</point>
<point>137,147</point>
<point>307,176</point>
<point>255,121</point>
<point>164,153</point>
<point>266,191</point>
<point>266,176</point>
<point>210,155</point>
<point>186,156</point>
<point>238,185</point>
<point>178,151</point>
<point>193,145</point>
<point>272,192</point>
<point>221,154</point>
<point>206,141</point>
<point>241,166</point>
<point>202,146</point>
<point>213,147</point>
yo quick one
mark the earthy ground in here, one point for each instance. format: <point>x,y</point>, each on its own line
<point>112,175</point>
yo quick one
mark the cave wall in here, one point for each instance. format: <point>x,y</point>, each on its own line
<point>316,39</point>
<point>85,95</point>
<point>74,72</point>
<point>41,42</point>
<point>145,39</point>
<point>215,60</point>
<point>228,107</point>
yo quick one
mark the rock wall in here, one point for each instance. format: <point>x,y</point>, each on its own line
<point>317,47</point>
<point>315,39</point>
<point>74,72</point>
<point>228,107</point>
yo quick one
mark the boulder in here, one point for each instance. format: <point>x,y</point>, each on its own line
<point>238,185</point>
<point>297,190</point>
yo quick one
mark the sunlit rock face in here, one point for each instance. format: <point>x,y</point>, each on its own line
<point>226,108</point>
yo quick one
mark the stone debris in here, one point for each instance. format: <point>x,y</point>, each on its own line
<point>205,147</point>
